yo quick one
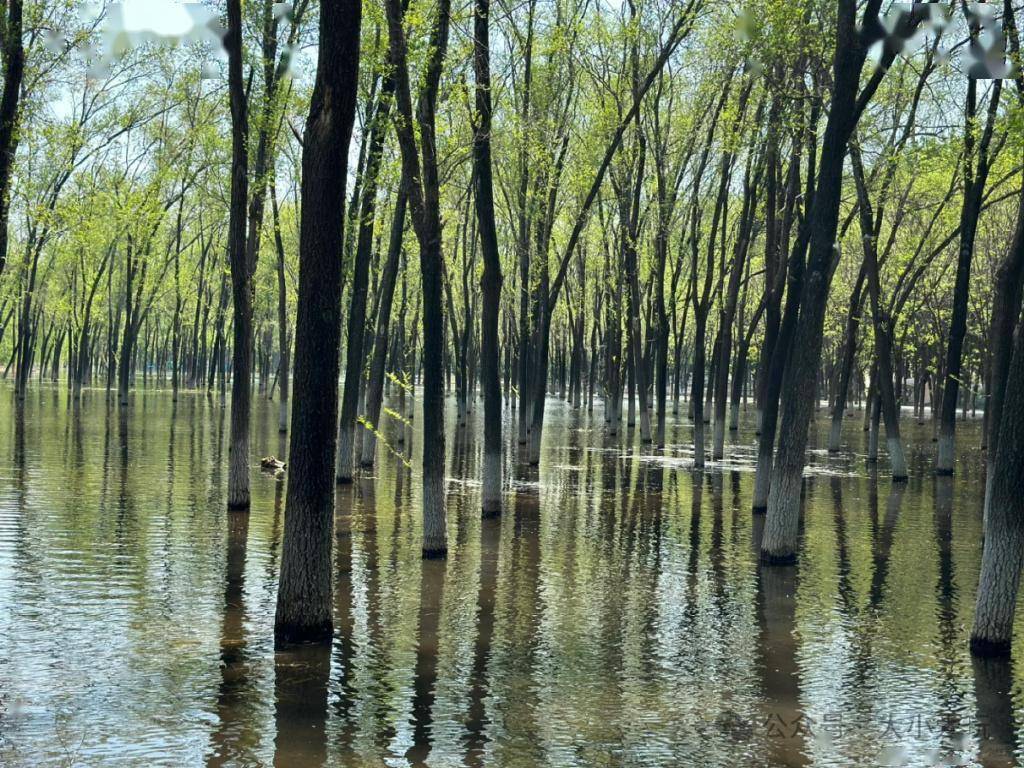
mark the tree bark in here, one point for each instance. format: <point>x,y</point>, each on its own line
<point>728,314</point>
<point>424,205</point>
<point>974,188</point>
<point>14,71</point>
<point>1003,553</point>
<point>491,280</point>
<point>241,269</point>
<point>882,327</point>
<point>781,526</point>
<point>853,317</point>
<point>304,592</point>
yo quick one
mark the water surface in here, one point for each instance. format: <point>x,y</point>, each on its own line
<point>615,615</point>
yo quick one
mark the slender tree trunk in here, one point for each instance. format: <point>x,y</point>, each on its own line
<point>636,344</point>
<point>974,188</point>
<point>882,328</point>
<point>523,238</point>
<point>283,337</point>
<point>874,417</point>
<point>241,269</point>
<point>740,373</point>
<point>798,382</point>
<point>728,314</point>
<point>1006,305</point>
<point>491,280</point>
<point>539,382</point>
<point>375,386</point>
<point>360,277</point>
<point>424,204</point>
<point>697,388</point>
<point>853,317</point>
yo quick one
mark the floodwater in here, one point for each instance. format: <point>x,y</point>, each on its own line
<point>615,615</point>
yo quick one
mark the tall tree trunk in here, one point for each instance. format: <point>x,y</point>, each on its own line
<point>523,236</point>
<point>241,269</point>
<point>424,204</point>
<point>14,71</point>
<point>304,593</point>
<point>354,359</point>
<point>1003,554</point>
<point>976,176</point>
<point>697,388</point>
<point>882,327</point>
<point>176,320</point>
<point>853,316</point>
<point>490,281</point>
<point>740,374</point>
<point>799,381</point>
<point>283,337</point>
<point>728,313</point>
<point>1006,305</point>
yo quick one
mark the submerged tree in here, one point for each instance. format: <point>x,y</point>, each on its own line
<point>241,269</point>
<point>1003,555</point>
<point>611,210</point>
<point>304,593</point>
<point>490,282</point>
<point>799,381</point>
<point>420,166</point>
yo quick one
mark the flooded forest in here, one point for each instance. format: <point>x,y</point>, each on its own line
<point>511,383</point>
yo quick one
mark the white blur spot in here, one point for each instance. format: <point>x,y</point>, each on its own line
<point>54,42</point>
<point>131,24</point>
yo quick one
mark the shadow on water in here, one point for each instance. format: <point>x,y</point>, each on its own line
<point>783,724</point>
<point>233,740</point>
<point>996,730</point>
<point>344,599</point>
<point>303,674</point>
<point>425,681</point>
<point>883,533</point>
<point>518,597</point>
<point>477,721</point>
<point>301,678</point>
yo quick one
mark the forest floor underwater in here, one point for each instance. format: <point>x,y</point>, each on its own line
<point>615,614</point>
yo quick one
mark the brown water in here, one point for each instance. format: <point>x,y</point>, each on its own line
<point>614,616</point>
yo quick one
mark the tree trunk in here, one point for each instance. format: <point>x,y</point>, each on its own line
<point>491,280</point>
<point>360,277</point>
<point>304,593</point>
<point>1003,553</point>
<point>728,314</point>
<point>853,316</point>
<point>424,204</point>
<point>974,188</point>
<point>1006,305</point>
<point>283,336</point>
<point>697,388</point>
<point>241,269</point>
<point>882,327</point>
<point>375,386</point>
<point>775,373</point>
<point>14,58</point>
<point>782,524</point>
